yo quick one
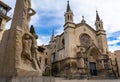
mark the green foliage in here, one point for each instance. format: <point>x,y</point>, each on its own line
<point>46,74</point>
<point>32,29</point>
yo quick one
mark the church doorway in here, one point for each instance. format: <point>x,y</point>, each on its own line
<point>93,70</point>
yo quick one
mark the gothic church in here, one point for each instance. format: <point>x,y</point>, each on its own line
<point>80,49</point>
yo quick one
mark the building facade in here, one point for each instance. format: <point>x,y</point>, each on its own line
<point>4,9</point>
<point>80,49</point>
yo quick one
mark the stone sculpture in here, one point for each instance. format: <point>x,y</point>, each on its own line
<point>21,46</point>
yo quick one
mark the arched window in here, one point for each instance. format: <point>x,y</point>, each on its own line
<point>85,40</point>
<point>63,42</point>
<point>68,17</point>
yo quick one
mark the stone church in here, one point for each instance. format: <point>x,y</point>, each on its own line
<point>80,49</point>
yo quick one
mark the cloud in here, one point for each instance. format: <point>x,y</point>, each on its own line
<point>114,41</point>
<point>50,15</point>
<point>114,48</point>
<point>43,40</point>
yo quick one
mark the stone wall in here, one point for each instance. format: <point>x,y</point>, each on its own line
<point>49,79</point>
<point>117,53</point>
<point>87,81</point>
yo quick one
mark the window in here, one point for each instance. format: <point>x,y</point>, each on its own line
<point>63,42</point>
<point>85,40</point>
<point>3,10</point>
<point>68,17</point>
<point>53,57</point>
<point>46,60</point>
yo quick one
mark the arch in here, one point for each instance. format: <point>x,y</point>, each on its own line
<point>94,52</point>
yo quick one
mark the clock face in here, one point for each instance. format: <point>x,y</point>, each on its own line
<point>85,40</point>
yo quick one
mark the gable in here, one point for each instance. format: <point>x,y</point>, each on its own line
<point>83,28</point>
<point>85,24</point>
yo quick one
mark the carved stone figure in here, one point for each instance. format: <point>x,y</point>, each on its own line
<point>81,59</point>
<point>29,51</point>
<point>34,52</point>
<point>27,43</point>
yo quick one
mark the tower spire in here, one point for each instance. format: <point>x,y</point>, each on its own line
<point>68,7</point>
<point>98,23</point>
<point>97,16</point>
<point>68,14</point>
<point>53,32</point>
<point>52,37</point>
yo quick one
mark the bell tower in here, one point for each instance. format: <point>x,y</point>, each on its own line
<point>98,22</point>
<point>101,35</point>
<point>4,9</point>
<point>68,14</point>
<point>69,28</point>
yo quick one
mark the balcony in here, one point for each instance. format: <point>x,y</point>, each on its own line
<point>3,12</point>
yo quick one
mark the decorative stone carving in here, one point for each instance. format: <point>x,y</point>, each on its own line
<point>82,59</point>
<point>27,45</point>
<point>29,51</point>
<point>20,50</point>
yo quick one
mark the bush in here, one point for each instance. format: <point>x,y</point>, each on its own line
<point>46,74</point>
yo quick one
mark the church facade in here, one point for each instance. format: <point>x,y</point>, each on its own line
<point>80,49</point>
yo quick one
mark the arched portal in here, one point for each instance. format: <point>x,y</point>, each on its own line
<point>93,58</point>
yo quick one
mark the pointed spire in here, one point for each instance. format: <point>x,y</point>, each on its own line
<point>53,32</point>
<point>68,7</point>
<point>68,14</point>
<point>98,23</point>
<point>97,16</point>
<point>52,37</point>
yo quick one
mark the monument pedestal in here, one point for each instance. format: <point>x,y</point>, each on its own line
<point>19,56</point>
<point>27,79</point>
<point>24,72</point>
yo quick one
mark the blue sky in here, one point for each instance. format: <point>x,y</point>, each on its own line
<point>50,15</point>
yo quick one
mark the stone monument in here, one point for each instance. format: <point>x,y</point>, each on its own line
<point>19,54</point>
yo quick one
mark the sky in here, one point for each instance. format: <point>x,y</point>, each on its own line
<point>50,16</point>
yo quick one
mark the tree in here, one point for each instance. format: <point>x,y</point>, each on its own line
<point>32,29</point>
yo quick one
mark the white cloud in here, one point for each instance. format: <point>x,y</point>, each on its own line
<point>43,40</point>
<point>114,48</point>
<point>113,42</point>
<point>108,11</point>
<point>59,31</point>
<point>118,38</point>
